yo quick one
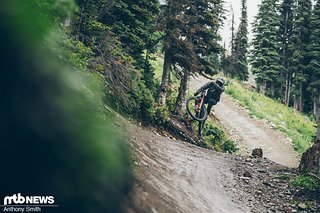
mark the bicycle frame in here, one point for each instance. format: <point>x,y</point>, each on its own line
<point>201,100</point>
<point>199,105</point>
<point>195,106</point>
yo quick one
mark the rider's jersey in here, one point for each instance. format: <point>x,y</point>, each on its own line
<point>214,91</point>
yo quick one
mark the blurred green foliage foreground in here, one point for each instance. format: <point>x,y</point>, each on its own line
<point>52,141</point>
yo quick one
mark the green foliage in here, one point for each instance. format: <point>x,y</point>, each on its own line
<point>163,114</point>
<point>52,117</point>
<point>296,126</point>
<point>199,24</point>
<point>299,59</point>
<point>50,13</point>
<point>145,101</point>
<point>134,22</point>
<point>284,56</point>
<point>75,53</point>
<point>116,56</point>
<point>216,138</point>
<point>314,54</point>
<point>285,33</point>
<point>241,44</point>
<point>265,57</point>
<point>306,182</point>
<point>191,37</point>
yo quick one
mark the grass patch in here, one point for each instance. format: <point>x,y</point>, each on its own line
<point>306,182</point>
<point>214,137</point>
<point>299,128</point>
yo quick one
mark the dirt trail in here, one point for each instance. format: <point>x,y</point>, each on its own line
<point>251,133</point>
<point>174,176</point>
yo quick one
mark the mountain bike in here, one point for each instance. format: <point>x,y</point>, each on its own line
<point>196,107</point>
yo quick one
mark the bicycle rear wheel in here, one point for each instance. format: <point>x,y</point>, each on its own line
<point>199,115</point>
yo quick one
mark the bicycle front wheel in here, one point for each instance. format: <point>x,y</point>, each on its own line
<point>196,114</point>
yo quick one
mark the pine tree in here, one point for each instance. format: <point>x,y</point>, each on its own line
<point>135,24</point>
<point>202,22</point>
<point>299,60</point>
<point>191,36</point>
<point>232,35</point>
<point>227,59</point>
<point>310,159</point>
<point>172,44</point>
<point>134,21</point>
<point>314,54</point>
<point>241,46</point>
<point>265,57</point>
<point>285,33</point>
<point>86,21</point>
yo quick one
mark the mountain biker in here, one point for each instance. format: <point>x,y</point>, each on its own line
<point>215,89</point>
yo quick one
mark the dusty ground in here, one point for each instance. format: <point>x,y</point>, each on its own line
<point>250,133</point>
<point>174,176</point>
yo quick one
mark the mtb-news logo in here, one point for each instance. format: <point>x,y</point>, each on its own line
<point>19,203</point>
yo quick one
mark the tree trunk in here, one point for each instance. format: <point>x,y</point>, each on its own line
<point>272,89</point>
<point>232,35</point>
<point>301,98</point>
<point>295,104</point>
<point>263,87</point>
<point>147,72</point>
<point>280,91</point>
<point>180,104</point>
<point>310,161</point>
<point>286,63</point>
<point>315,105</point>
<point>288,89</point>
<point>162,98</point>
<point>298,103</point>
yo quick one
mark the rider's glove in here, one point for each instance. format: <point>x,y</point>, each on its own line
<point>196,93</point>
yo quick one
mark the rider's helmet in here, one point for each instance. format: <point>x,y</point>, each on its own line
<point>220,82</point>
